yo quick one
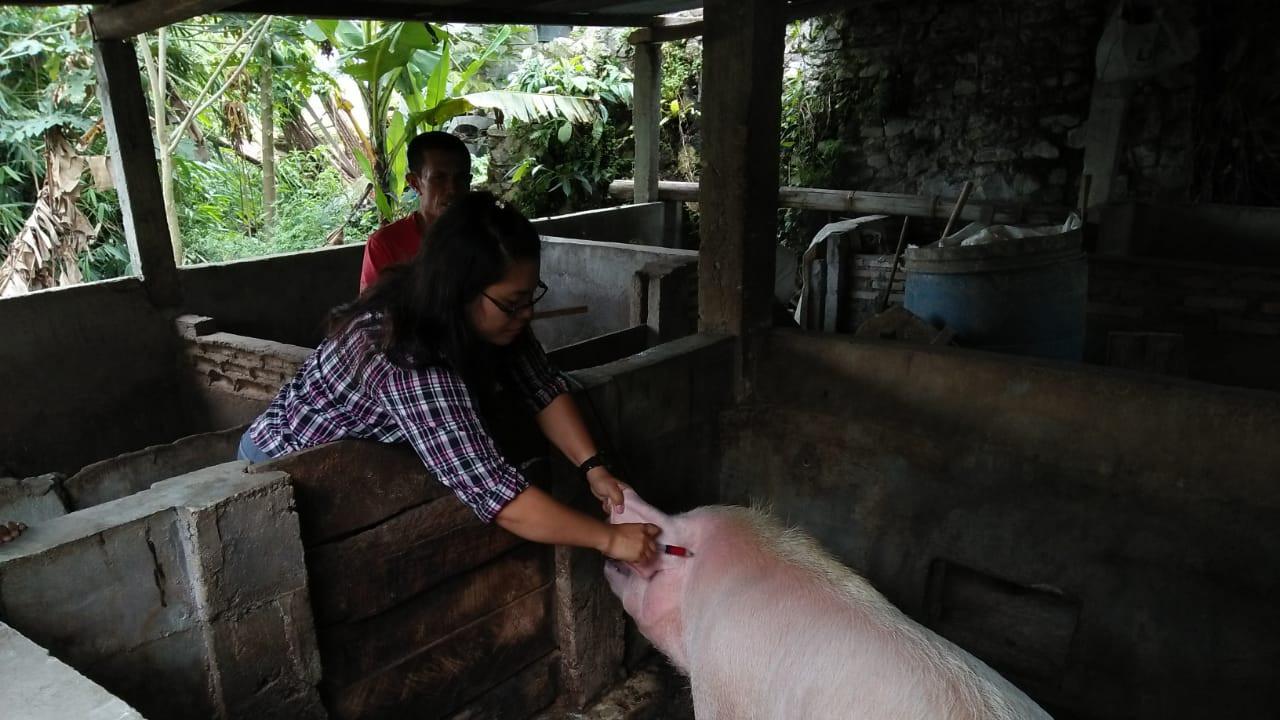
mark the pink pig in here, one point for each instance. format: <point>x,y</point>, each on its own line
<point>768,626</point>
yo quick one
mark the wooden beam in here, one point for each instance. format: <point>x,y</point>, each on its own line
<point>133,166</point>
<point>741,116</point>
<point>666,30</point>
<point>392,10</point>
<point>868,203</point>
<point>116,22</point>
<point>647,85</point>
<point>1104,133</point>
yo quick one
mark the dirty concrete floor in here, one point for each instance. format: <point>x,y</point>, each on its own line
<point>655,691</point>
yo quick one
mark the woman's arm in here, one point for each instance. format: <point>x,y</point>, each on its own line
<point>562,423</point>
<point>534,515</point>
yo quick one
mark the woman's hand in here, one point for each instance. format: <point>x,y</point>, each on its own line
<point>633,542</point>
<point>607,489</point>
<point>10,531</point>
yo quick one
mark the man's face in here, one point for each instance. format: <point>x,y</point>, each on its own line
<point>444,175</point>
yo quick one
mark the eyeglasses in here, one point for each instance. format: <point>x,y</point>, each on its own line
<point>513,310</point>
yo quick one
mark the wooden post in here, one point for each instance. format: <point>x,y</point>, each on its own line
<point>647,81</point>
<point>1108,110</point>
<point>133,167</point>
<point>741,114</point>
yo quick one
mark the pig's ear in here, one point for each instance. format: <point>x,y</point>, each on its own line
<point>635,510</point>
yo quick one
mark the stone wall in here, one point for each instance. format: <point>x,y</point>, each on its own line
<point>230,379</point>
<point>1077,528</point>
<point>925,95</point>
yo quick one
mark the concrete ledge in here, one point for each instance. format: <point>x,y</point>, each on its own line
<point>41,687</point>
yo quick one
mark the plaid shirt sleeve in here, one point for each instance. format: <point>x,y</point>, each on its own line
<point>537,382</point>
<point>438,416</point>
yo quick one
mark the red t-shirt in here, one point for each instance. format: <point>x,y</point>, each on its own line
<point>390,245</point>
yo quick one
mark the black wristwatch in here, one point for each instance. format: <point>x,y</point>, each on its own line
<point>592,463</point>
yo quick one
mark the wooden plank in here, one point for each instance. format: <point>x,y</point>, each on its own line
<point>117,22</point>
<point>133,165</point>
<point>835,288</point>
<point>817,307</point>
<point>347,486</point>
<point>869,203</point>
<point>350,652</point>
<point>379,568</point>
<point>601,349</point>
<point>875,294</point>
<point>446,675</point>
<point>647,88</point>
<point>1104,133</point>
<point>519,697</point>
<point>742,108</point>
<point>666,30</point>
<point>561,312</point>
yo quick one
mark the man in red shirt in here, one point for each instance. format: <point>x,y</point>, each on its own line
<point>439,169</point>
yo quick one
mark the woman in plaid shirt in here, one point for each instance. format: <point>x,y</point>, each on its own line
<point>412,358</point>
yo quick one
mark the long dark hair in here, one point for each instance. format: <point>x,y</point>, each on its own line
<point>422,304</point>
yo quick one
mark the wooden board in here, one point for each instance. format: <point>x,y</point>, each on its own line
<point>446,675</point>
<point>350,652</point>
<point>347,486</point>
<point>368,573</point>
<point>518,697</point>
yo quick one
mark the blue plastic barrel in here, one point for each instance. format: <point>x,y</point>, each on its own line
<point>1025,297</point>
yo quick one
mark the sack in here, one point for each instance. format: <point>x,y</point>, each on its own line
<point>1141,40</point>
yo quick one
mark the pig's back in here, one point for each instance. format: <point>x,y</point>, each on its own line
<point>775,629</point>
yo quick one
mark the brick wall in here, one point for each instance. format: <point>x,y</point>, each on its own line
<point>229,379</point>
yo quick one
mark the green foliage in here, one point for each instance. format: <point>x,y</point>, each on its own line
<point>221,205</point>
<point>46,81</point>
<point>812,152</point>
<point>109,257</point>
<point>681,109</point>
<point>567,164</point>
<point>410,81</point>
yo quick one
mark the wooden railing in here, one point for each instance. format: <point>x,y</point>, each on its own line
<point>867,203</point>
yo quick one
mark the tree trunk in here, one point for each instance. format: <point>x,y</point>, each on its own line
<point>266,105</point>
<point>340,153</point>
<point>159,81</point>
